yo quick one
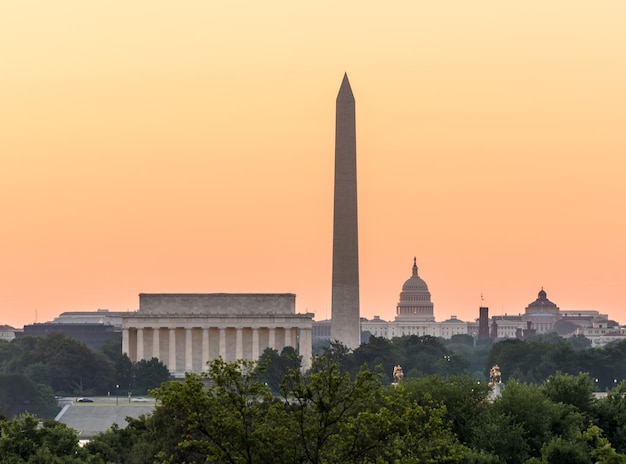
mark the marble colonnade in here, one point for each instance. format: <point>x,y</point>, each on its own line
<point>188,348</point>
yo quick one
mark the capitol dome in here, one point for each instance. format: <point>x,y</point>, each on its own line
<point>542,305</point>
<point>415,282</point>
<point>415,304</point>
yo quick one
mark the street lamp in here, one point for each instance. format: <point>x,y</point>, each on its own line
<point>117,395</point>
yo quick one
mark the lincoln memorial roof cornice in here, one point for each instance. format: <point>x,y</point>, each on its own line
<point>200,316</point>
<point>295,321</point>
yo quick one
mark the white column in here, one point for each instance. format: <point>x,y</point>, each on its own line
<point>223,343</point>
<point>288,336</point>
<point>139,344</point>
<point>239,344</point>
<point>156,343</point>
<point>271,343</point>
<point>305,348</point>
<point>255,344</point>
<point>172,364</point>
<point>125,342</point>
<point>188,351</point>
<point>205,349</point>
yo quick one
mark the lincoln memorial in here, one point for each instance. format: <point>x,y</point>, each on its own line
<point>185,331</point>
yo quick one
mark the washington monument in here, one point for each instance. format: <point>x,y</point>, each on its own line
<point>345,324</point>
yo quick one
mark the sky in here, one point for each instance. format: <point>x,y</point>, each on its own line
<point>188,147</point>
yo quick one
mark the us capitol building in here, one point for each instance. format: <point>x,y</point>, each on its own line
<point>415,316</point>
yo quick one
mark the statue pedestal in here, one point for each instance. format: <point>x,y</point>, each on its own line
<point>496,391</point>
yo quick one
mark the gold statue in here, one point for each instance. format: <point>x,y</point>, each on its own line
<point>495,376</point>
<point>397,375</point>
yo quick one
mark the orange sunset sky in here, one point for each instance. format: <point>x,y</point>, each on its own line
<point>188,146</point>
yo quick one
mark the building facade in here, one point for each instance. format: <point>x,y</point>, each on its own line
<point>7,333</point>
<point>415,314</point>
<point>186,331</point>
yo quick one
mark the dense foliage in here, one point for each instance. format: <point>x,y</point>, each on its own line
<point>325,416</point>
<point>339,412</point>
<point>34,369</point>
<point>343,410</point>
<point>331,416</point>
<point>532,360</point>
<point>24,440</point>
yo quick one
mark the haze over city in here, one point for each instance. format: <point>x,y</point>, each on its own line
<point>188,147</point>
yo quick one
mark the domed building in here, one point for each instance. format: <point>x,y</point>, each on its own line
<point>414,315</point>
<point>415,304</point>
<point>542,305</point>
<point>541,315</point>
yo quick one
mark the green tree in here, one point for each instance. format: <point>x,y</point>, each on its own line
<point>343,418</point>
<point>539,419</point>
<point>579,342</point>
<point>340,355</point>
<point>14,353</point>
<point>534,360</point>
<point>462,396</point>
<point>419,432</point>
<point>230,421</point>
<point>19,394</point>
<point>378,352</point>
<point>123,366</point>
<point>326,409</point>
<point>72,367</point>
<point>324,416</point>
<point>149,374</point>
<point>273,367</point>
<point>610,415</point>
<point>23,441</point>
<point>137,443</point>
<point>499,435</point>
<point>568,389</point>
<point>588,447</point>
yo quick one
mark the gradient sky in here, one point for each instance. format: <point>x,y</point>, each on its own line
<point>159,146</point>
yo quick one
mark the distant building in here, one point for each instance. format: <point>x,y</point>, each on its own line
<point>602,334</point>
<point>541,315</point>
<point>584,318</point>
<point>100,316</point>
<point>377,327</point>
<point>92,335</point>
<point>483,323</point>
<point>415,314</point>
<point>321,330</point>
<point>93,328</point>
<point>415,304</point>
<point>185,331</point>
<point>7,333</point>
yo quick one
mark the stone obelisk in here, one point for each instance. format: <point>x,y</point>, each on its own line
<point>346,324</point>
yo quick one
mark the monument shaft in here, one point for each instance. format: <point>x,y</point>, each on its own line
<point>345,325</point>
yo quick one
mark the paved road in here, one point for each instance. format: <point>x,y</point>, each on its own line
<point>90,419</point>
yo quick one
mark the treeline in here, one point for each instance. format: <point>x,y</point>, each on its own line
<point>331,416</point>
<point>35,369</point>
<point>334,413</point>
<point>532,360</point>
<point>536,359</point>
